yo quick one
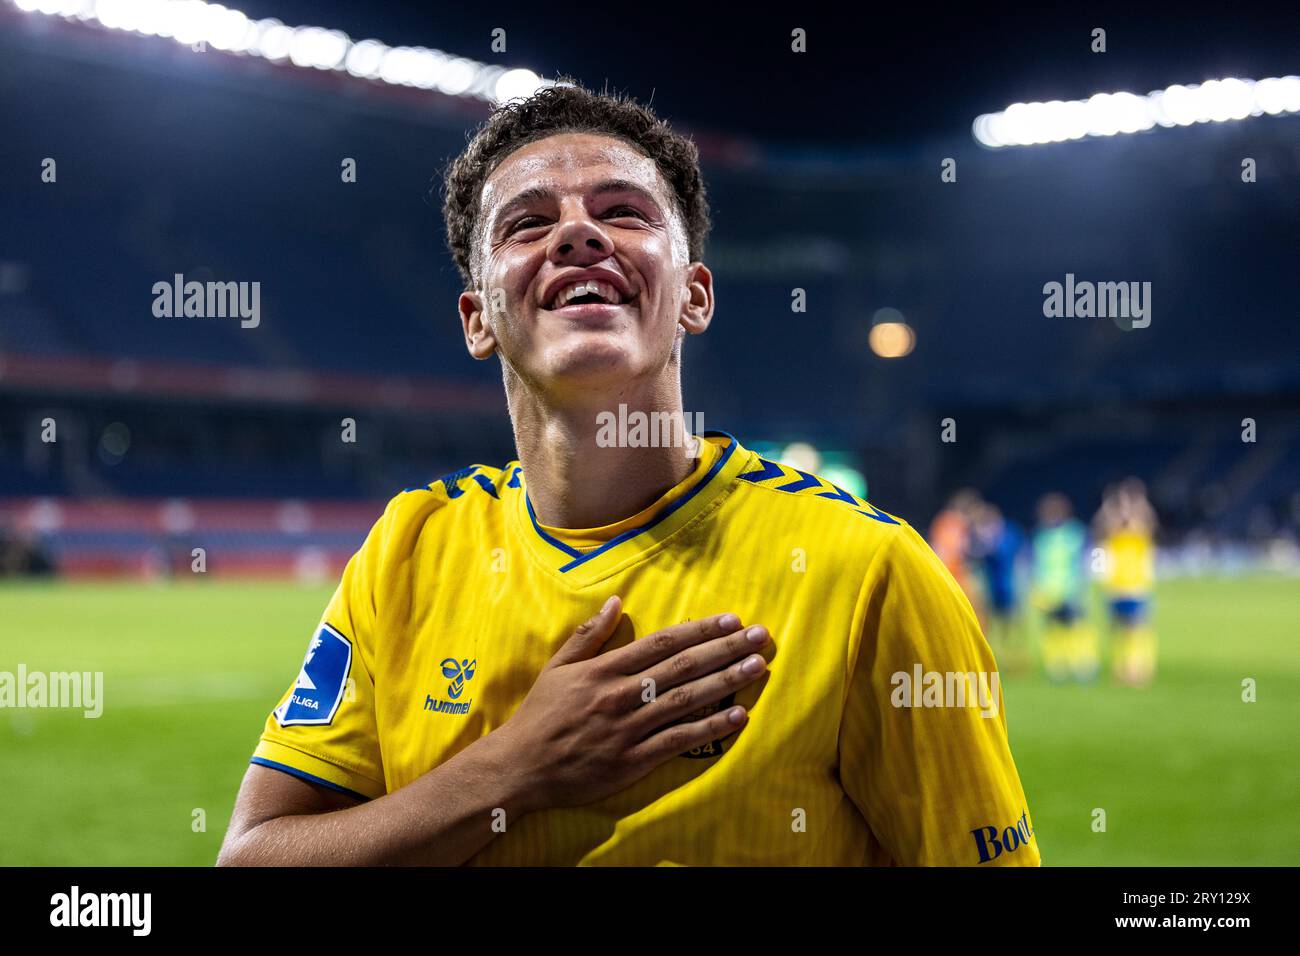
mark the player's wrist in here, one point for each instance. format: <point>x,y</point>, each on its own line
<point>518,789</point>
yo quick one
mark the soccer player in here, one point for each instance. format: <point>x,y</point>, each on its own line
<point>769,670</point>
<point>1126,525</point>
<point>1060,584</point>
<point>950,536</point>
<point>997,542</point>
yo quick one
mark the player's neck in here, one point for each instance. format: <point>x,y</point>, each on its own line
<point>577,480</point>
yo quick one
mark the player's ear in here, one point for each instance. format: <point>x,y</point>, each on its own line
<point>477,327</point>
<point>697,299</point>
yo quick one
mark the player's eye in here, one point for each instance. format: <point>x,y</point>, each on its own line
<point>527,222</point>
<point>622,212</point>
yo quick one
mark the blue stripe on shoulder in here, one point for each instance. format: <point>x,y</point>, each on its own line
<point>807,482</point>
<point>451,482</point>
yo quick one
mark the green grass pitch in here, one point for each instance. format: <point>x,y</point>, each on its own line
<point>1186,772</point>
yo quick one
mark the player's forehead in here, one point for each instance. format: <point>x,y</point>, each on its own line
<point>570,163</point>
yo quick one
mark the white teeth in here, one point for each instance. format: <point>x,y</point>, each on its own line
<point>603,289</point>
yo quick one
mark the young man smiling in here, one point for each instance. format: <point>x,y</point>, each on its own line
<point>732,704</point>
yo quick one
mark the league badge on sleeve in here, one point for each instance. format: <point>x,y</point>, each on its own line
<point>319,689</point>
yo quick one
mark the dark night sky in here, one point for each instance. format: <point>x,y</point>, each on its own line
<point>869,77</point>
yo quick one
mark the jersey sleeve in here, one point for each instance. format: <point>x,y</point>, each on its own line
<point>324,728</point>
<point>923,741</point>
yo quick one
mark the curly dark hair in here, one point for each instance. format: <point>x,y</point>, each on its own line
<point>568,108</point>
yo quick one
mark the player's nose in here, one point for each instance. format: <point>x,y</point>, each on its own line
<point>578,239</point>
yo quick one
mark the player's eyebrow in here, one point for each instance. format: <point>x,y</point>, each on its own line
<point>530,195</point>
<point>625,186</point>
<point>546,193</point>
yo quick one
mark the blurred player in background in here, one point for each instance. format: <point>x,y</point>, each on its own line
<point>1125,525</point>
<point>1060,585</point>
<point>950,537</point>
<point>997,543</point>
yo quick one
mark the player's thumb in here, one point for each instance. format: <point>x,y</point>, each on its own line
<point>590,636</point>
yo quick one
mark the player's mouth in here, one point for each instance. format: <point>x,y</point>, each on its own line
<point>587,297</point>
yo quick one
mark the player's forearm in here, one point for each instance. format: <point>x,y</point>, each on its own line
<point>441,819</point>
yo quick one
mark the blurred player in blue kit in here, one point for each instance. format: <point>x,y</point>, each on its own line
<point>997,543</point>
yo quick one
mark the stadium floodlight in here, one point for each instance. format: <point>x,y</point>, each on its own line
<point>890,336</point>
<point>427,68</point>
<point>273,40</point>
<point>485,83</point>
<point>319,48</point>
<point>226,29</point>
<point>516,84</point>
<point>364,58</point>
<point>1278,95</point>
<point>458,76</point>
<point>187,18</point>
<point>802,455</point>
<point>1109,114</point>
<point>401,66</point>
<point>198,24</point>
<point>118,14</point>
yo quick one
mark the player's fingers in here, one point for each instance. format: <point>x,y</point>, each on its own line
<point>590,636</point>
<point>705,658</point>
<point>661,644</point>
<point>680,701</point>
<point>680,738</point>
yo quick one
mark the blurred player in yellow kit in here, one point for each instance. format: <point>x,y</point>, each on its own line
<point>1060,587</point>
<point>1126,525</point>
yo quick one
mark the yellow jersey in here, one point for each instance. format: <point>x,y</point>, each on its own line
<point>861,747</point>
<point>1131,563</point>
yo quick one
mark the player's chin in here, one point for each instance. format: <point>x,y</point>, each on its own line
<point>593,359</point>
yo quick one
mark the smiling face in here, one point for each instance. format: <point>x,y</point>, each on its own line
<point>583,276</point>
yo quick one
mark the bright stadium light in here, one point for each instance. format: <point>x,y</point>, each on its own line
<point>1175,106</point>
<point>118,14</point>
<point>458,76</point>
<point>273,40</point>
<point>226,29</point>
<point>1109,114</point>
<point>364,58</point>
<point>1280,95</point>
<point>194,23</point>
<point>890,336</point>
<point>187,18</point>
<point>315,47</point>
<point>892,339</point>
<point>801,455</point>
<point>427,68</point>
<point>399,66</point>
<point>516,84</point>
<point>485,83</point>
